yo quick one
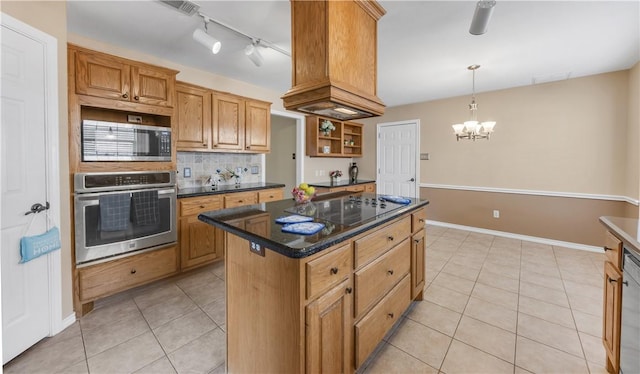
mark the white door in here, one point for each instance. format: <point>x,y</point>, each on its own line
<point>25,287</point>
<point>398,145</point>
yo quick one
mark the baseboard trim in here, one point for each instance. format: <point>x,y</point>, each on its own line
<point>574,195</point>
<point>535,239</point>
<point>70,320</point>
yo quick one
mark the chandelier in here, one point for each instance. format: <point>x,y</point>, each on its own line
<point>473,129</point>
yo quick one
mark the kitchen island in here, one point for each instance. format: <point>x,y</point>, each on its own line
<point>321,302</point>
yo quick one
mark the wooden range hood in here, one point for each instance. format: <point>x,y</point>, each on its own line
<point>334,58</point>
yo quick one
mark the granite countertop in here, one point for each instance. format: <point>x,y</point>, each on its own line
<point>341,183</point>
<point>226,188</point>
<point>626,229</point>
<point>343,218</point>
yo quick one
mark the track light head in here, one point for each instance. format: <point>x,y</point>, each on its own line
<point>207,40</point>
<point>253,53</point>
<point>481,17</point>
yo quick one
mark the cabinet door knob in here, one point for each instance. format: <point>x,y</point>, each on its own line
<point>416,240</point>
<point>348,290</point>
<point>133,271</point>
<point>390,315</point>
<point>215,145</point>
<point>136,97</point>
<point>421,220</point>
<point>607,248</point>
<point>334,270</point>
<point>125,95</point>
<point>248,147</point>
<point>390,238</point>
<point>201,206</point>
<point>390,272</point>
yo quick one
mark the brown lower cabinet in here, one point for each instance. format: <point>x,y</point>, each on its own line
<point>322,313</point>
<point>364,187</point>
<point>612,302</point>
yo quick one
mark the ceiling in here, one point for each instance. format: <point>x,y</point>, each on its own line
<point>424,46</point>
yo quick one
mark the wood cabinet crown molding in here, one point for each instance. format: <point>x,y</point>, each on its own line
<point>334,59</point>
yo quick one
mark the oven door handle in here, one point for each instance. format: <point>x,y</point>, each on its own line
<point>93,195</point>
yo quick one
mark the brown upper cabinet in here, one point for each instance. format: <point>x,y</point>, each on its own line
<point>102,75</point>
<point>192,117</point>
<point>208,120</point>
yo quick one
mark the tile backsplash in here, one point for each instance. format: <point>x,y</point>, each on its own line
<point>204,165</point>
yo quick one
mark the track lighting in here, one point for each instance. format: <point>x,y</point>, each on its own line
<point>254,54</point>
<point>481,17</point>
<point>207,40</point>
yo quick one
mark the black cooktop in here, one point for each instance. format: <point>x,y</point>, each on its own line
<point>347,211</point>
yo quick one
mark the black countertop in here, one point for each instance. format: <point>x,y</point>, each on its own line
<point>328,209</point>
<point>341,183</point>
<point>625,229</point>
<point>227,188</point>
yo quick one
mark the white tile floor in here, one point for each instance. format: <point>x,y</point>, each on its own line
<point>491,305</point>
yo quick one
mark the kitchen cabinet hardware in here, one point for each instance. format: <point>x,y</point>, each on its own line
<point>348,290</point>
<point>390,272</point>
<point>334,271</point>
<point>136,98</point>
<point>125,96</point>
<point>607,248</point>
<point>133,271</point>
<point>611,280</point>
<point>390,315</point>
<point>390,238</point>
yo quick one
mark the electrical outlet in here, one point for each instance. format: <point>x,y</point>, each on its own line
<point>496,214</point>
<point>187,172</point>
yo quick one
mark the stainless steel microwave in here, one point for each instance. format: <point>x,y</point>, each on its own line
<point>113,141</point>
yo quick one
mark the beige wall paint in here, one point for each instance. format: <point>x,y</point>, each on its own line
<point>280,167</point>
<point>51,18</point>
<point>559,218</point>
<point>574,136</point>
<point>633,128</point>
<point>562,136</point>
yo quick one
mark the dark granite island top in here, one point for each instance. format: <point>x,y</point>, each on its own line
<point>342,216</point>
<point>226,188</point>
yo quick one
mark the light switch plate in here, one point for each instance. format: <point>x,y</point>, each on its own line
<point>424,156</point>
<point>187,172</point>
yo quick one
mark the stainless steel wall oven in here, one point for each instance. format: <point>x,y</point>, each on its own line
<point>117,214</point>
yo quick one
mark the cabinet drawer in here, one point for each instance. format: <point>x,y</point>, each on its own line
<point>370,187</point>
<point>110,277</point>
<point>198,205</point>
<point>326,271</point>
<point>356,188</point>
<point>613,250</point>
<point>375,279</point>
<point>418,219</point>
<point>270,195</point>
<point>374,244</point>
<point>374,326</point>
<point>240,199</point>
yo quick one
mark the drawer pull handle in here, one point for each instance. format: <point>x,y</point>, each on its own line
<point>334,271</point>
<point>390,238</point>
<point>348,290</point>
<point>136,97</point>
<point>201,206</point>
<point>416,240</point>
<point>607,248</point>
<point>390,272</point>
<point>390,315</point>
<point>626,283</point>
<point>125,95</point>
<point>133,271</point>
<point>240,201</point>
<point>421,220</point>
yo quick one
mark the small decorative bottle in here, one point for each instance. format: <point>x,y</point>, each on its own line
<point>353,172</point>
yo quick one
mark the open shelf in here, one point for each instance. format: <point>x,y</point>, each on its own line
<point>344,141</point>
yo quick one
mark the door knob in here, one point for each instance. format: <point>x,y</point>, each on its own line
<point>412,180</point>
<point>37,208</point>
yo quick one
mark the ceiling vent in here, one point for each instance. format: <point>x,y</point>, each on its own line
<point>185,7</point>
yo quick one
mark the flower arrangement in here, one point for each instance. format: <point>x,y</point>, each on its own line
<point>326,126</point>
<point>303,193</point>
<point>335,174</point>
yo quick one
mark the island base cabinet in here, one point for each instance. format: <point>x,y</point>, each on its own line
<point>373,327</point>
<point>265,326</point>
<point>328,331</point>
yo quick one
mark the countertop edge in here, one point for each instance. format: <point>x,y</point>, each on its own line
<point>345,183</point>
<point>632,243</point>
<point>286,251</point>
<point>266,186</point>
